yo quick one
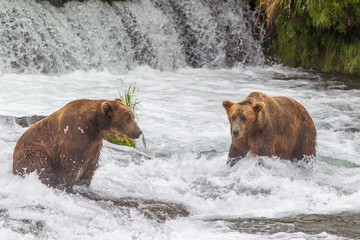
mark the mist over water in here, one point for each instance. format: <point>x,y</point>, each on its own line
<point>186,57</point>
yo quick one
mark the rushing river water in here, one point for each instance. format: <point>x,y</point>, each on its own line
<point>36,37</point>
<point>180,187</point>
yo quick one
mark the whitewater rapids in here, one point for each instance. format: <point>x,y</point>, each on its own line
<point>188,138</point>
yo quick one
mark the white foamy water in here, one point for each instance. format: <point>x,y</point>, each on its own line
<point>36,37</point>
<point>188,138</point>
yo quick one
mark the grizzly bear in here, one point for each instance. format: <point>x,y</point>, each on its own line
<point>64,147</point>
<point>270,126</point>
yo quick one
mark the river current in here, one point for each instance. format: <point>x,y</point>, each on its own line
<point>179,186</point>
<point>185,57</point>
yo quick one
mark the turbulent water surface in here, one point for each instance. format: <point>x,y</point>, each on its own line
<point>179,187</point>
<point>163,34</point>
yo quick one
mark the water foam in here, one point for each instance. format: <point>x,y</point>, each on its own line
<point>188,138</point>
<point>37,37</point>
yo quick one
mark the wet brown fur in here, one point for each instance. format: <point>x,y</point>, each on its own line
<point>64,147</point>
<point>282,127</point>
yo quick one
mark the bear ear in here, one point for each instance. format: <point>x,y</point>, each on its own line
<point>107,109</point>
<point>258,107</point>
<point>227,104</point>
<point>118,99</point>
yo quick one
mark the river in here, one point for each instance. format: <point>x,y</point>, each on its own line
<point>183,168</point>
<point>179,186</point>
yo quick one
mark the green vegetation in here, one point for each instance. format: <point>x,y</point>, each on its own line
<point>317,34</point>
<point>115,139</point>
<point>129,97</point>
<point>131,101</point>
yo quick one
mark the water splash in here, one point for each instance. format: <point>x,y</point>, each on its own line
<point>36,37</point>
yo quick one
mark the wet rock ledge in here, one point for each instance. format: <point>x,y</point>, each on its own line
<point>28,120</point>
<point>25,121</point>
<point>60,3</point>
<point>151,209</point>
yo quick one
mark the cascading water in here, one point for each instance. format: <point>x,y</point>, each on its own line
<point>163,34</point>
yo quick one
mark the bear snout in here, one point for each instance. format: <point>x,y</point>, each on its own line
<point>235,133</point>
<point>135,134</point>
<point>139,133</point>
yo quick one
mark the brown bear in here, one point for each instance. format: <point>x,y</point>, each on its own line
<point>270,126</point>
<point>64,147</point>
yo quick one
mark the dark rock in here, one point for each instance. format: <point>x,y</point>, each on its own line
<point>152,209</point>
<point>343,225</point>
<point>60,3</point>
<point>26,121</point>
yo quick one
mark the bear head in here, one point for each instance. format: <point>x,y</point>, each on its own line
<point>242,116</point>
<point>121,119</point>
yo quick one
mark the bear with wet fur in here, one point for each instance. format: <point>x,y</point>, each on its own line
<point>64,147</point>
<point>270,126</point>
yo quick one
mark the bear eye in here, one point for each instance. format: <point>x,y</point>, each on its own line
<point>243,118</point>
<point>233,117</point>
<point>128,119</point>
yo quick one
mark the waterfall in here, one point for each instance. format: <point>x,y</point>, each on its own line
<point>36,37</point>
